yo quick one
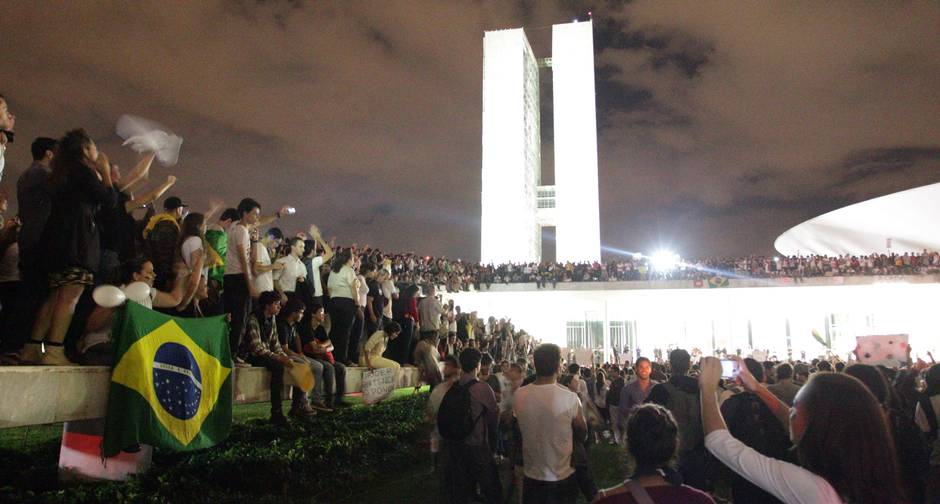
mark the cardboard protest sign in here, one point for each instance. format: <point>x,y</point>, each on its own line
<point>889,350</point>
<point>378,384</point>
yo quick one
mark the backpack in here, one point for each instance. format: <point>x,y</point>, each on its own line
<point>455,420</point>
<point>687,410</point>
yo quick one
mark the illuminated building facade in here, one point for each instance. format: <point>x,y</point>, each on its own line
<point>515,206</point>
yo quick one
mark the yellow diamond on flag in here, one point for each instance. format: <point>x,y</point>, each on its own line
<point>175,376</point>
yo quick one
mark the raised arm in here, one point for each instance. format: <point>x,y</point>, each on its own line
<point>151,196</point>
<point>139,173</point>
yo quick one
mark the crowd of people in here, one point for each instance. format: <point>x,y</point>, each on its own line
<point>790,432</point>
<point>794,432</point>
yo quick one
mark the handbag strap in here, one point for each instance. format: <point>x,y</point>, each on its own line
<point>640,495</point>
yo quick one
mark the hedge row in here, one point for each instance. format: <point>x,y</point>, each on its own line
<point>319,461</point>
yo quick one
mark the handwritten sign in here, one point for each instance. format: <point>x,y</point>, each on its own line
<point>378,384</point>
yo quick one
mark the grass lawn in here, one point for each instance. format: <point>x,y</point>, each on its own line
<point>26,438</point>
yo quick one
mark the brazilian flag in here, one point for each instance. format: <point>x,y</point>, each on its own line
<point>171,385</point>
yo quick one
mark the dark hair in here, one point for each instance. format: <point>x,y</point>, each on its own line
<point>294,240</point>
<point>755,368</point>
<point>391,327</point>
<point>932,377</point>
<point>840,367</point>
<point>70,155</point>
<point>486,359</point>
<point>292,306</point>
<point>642,359</point>
<point>247,205</point>
<point>275,233</point>
<point>847,440</point>
<point>547,359</point>
<point>680,360</point>
<point>565,379</point>
<point>871,378</point>
<point>339,260</point>
<point>652,438</point>
<point>450,359</point>
<point>824,366</point>
<point>573,368</point>
<point>230,214</point>
<point>134,265</point>
<point>470,359</point>
<point>366,267</point>
<point>192,225</point>
<point>40,146</point>
<point>266,299</point>
<point>784,371</point>
<point>309,247</point>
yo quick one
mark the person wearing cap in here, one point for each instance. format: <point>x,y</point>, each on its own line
<point>161,235</point>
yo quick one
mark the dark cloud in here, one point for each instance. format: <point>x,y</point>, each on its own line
<point>720,123</point>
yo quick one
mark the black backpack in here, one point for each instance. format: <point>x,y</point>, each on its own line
<point>455,420</point>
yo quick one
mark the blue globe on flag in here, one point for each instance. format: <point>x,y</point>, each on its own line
<point>177,380</point>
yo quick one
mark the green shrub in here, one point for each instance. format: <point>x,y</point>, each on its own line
<point>259,462</point>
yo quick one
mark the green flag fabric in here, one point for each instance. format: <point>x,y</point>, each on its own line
<point>171,385</point>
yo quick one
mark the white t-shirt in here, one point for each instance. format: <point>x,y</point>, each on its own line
<point>315,264</point>
<point>265,281</point>
<point>363,295</point>
<point>341,283</point>
<point>190,245</point>
<point>293,269</point>
<point>788,482</point>
<point>389,289</point>
<point>545,413</point>
<point>238,240</point>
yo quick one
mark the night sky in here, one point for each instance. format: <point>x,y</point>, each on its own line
<point>721,124</point>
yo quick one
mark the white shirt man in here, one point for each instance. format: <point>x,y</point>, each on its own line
<point>549,417</point>
<point>293,271</point>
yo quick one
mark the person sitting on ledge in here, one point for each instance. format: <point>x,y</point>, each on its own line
<point>375,347</point>
<point>264,350</point>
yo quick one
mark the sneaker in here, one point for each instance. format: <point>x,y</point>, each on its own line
<point>239,362</point>
<point>304,415</point>
<point>319,406</point>
<point>279,419</point>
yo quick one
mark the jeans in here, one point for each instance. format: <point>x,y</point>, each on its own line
<point>342,313</point>
<point>316,367</point>
<point>549,492</point>
<point>334,382</point>
<point>277,378</point>
<point>237,300</point>
<point>465,467</point>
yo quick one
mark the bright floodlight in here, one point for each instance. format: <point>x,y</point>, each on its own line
<point>664,260</point>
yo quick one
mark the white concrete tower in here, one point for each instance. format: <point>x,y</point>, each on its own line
<point>514,205</point>
<point>577,207</point>
<point>511,149</point>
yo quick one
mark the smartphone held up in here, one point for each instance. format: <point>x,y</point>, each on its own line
<point>729,368</point>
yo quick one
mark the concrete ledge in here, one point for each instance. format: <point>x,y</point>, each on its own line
<point>36,395</point>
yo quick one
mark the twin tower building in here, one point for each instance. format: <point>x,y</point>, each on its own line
<point>515,203</point>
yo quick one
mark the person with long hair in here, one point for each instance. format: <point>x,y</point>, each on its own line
<point>79,185</point>
<point>343,287</point>
<point>653,446</point>
<point>927,416</point>
<point>191,258</point>
<point>374,348</point>
<point>842,439</point>
<point>910,445</point>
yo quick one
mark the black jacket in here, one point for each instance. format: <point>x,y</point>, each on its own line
<point>71,237</point>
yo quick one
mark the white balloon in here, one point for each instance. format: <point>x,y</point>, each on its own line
<point>108,296</point>
<point>139,292</point>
